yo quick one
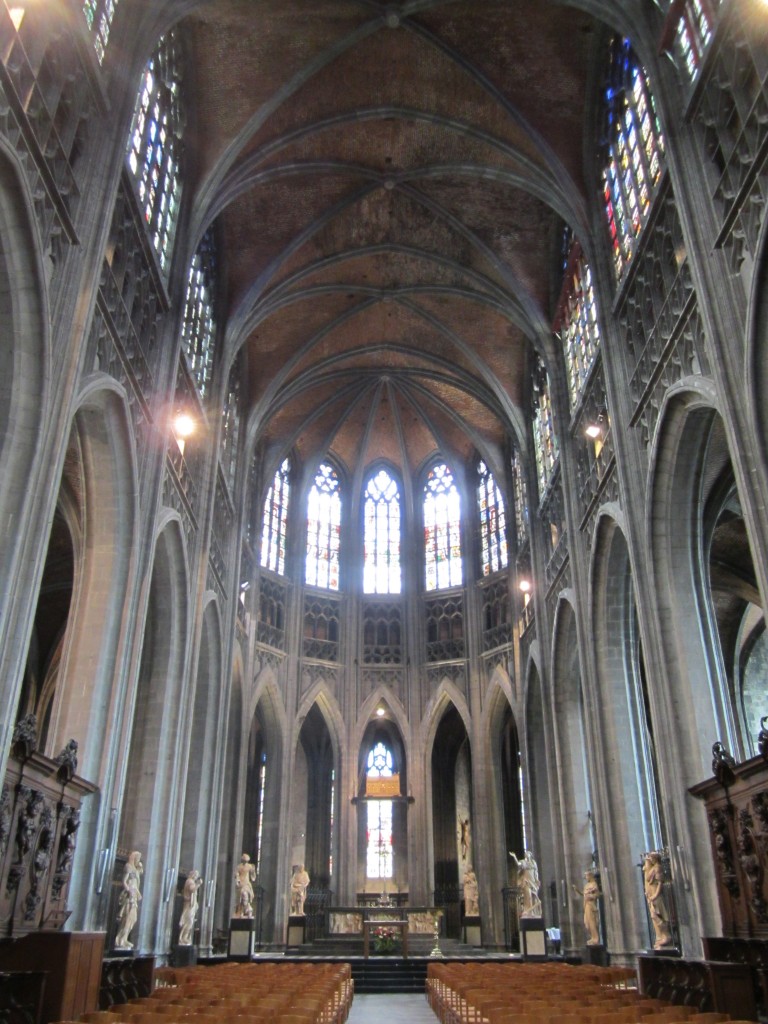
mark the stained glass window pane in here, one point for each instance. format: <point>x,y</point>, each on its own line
<point>442,530</point>
<point>154,145</point>
<point>381,511</point>
<point>521,500</point>
<point>379,858</point>
<point>634,151</point>
<point>578,327</point>
<point>493,523</point>
<point>199,325</point>
<point>544,438</point>
<point>324,530</point>
<point>98,17</point>
<point>275,520</point>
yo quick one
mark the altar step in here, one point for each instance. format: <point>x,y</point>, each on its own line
<point>389,974</point>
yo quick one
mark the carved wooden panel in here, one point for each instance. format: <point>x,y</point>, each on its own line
<point>737,812</point>
<point>39,818</point>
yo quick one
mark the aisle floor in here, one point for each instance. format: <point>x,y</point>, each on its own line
<point>391,1009</point>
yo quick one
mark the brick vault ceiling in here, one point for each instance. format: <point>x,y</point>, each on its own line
<point>388,184</point>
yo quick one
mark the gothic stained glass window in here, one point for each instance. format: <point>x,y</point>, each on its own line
<point>154,145</point>
<point>442,530</point>
<point>275,520</point>
<point>381,510</point>
<point>688,30</point>
<point>493,522</point>
<point>576,323</point>
<point>98,17</point>
<point>635,147</point>
<point>379,858</point>
<point>544,439</point>
<point>230,433</point>
<point>521,500</point>
<point>198,331</point>
<point>324,529</point>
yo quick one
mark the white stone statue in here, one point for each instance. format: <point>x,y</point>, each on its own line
<point>471,903</point>
<point>129,901</point>
<point>528,884</point>
<point>590,894</point>
<point>653,879</point>
<point>465,837</point>
<point>245,876</point>
<point>189,913</point>
<point>299,885</point>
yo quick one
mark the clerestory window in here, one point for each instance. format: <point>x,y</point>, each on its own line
<point>275,520</point>
<point>198,332</point>
<point>98,17</point>
<point>324,529</point>
<point>635,149</point>
<point>493,522</point>
<point>442,529</point>
<point>381,511</point>
<point>154,146</point>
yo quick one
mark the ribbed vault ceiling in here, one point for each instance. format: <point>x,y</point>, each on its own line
<point>388,184</point>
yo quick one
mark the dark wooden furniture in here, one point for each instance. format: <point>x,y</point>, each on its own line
<point>72,965</point>
<point>704,984</point>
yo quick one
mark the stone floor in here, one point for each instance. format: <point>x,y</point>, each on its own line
<point>391,1009</point>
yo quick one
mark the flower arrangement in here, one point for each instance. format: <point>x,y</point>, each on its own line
<point>386,940</point>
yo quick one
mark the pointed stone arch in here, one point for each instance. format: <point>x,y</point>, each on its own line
<point>568,715</point>
<point>626,794</point>
<point>691,482</point>
<point>157,752</point>
<point>25,368</point>
<point>197,827</point>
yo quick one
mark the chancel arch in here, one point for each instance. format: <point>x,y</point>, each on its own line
<point>452,814</point>
<point>382,819</point>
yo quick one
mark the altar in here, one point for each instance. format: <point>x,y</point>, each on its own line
<point>357,920</point>
<point>401,924</point>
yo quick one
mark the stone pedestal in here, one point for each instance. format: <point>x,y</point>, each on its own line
<point>184,956</point>
<point>296,925</point>
<point>470,931</point>
<point>241,938</point>
<point>533,944</point>
<point>597,955</point>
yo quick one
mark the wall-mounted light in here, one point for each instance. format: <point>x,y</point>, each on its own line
<point>380,712</point>
<point>183,426</point>
<point>594,430</point>
<point>17,16</point>
<point>525,586</point>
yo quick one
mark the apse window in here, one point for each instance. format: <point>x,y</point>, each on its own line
<point>275,520</point>
<point>381,562</point>
<point>324,529</point>
<point>442,530</point>
<point>379,859</point>
<point>493,522</point>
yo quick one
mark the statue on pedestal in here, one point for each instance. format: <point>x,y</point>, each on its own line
<point>590,894</point>
<point>465,837</point>
<point>130,898</point>
<point>189,913</point>
<point>299,885</point>
<point>653,879</point>
<point>471,904</point>
<point>528,884</point>
<point>245,876</point>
